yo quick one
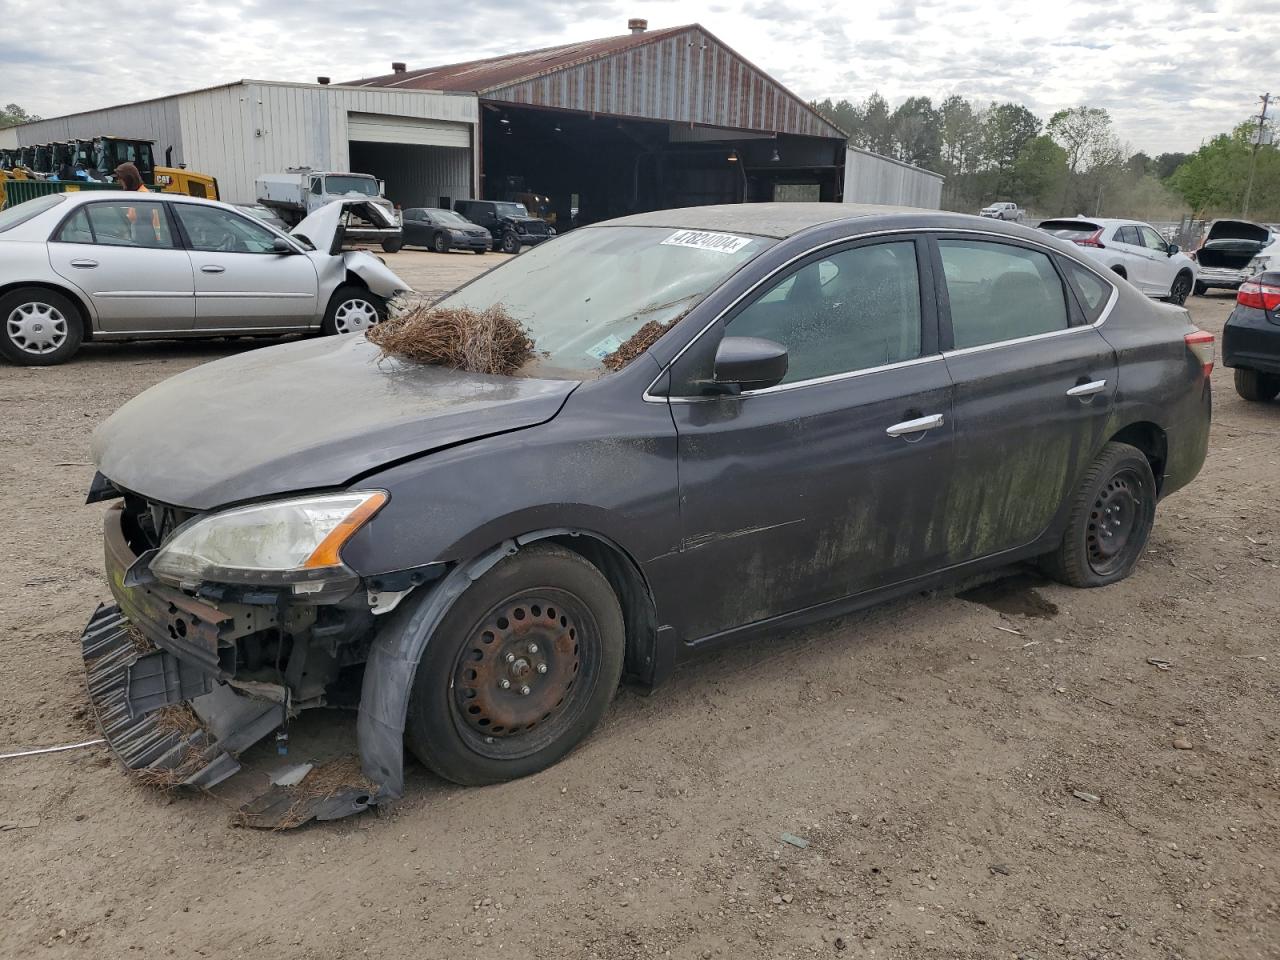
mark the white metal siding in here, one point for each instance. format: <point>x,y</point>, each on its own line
<point>151,120</point>
<point>871,178</point>
<point>378,128</point>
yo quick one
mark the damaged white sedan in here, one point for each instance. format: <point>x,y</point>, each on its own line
<point>111,265</point>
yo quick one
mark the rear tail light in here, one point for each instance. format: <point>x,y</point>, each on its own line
<point>1259,295</point>
<point>1200,343</point>
<point>1092,240</point>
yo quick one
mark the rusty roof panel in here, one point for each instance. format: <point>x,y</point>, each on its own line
<point>680,74</point>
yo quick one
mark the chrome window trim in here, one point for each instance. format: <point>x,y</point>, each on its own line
<point>942,355</point>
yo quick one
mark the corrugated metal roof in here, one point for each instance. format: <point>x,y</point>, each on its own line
<point>678,75</point>
<point>479,76</point>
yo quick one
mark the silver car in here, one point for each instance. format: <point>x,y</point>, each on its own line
<point>111,265</point>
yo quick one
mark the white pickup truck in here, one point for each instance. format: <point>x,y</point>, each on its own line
<point>300,191</point>
<point>1004,210</point>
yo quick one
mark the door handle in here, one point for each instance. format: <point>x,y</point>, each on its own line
<point>1087,389</point>
<point>919,425</point>
<point>84,264</point>
<point>212,268</point>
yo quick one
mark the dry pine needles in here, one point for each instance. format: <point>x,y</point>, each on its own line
<point>478,341</point>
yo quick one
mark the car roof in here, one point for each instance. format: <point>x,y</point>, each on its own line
<point>1100,221</point>
<point>777,220</point>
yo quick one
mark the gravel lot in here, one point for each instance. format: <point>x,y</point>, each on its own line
<point>930,752</point>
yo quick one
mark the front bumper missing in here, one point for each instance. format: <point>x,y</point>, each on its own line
<point>158,690</point>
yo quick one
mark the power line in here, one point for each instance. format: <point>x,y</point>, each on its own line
<point>1257,145</point>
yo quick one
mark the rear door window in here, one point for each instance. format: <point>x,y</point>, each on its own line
<point>130,223</point>
<point>850,310</point>
<point>76,229</point>
<point>1092,291</point>
<point>1128,235</point>
<point>1000,292</point>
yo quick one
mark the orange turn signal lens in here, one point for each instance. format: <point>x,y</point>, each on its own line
<point>326,554</point>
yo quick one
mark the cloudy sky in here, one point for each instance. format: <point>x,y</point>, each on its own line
<point>1171,73</point>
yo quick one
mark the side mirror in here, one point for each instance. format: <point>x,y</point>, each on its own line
<point>750,363</point>
<point>281,245</point>
<point>1173,248</point>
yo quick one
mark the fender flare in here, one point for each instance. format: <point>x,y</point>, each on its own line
<point>397,650</point>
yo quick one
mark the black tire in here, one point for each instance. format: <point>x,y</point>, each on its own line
<point>440,243</point>
<point>510,244</point>
<point>39,327</point>
<point>1200,289</point>
<point>548,608</point>
<point>392,244</point>
<point>1181,289</point>
<point>480,250</point>
<point>1120,272</point>
<point>1256,386</point>
<point>343,316</point>
<point>1111,517</point>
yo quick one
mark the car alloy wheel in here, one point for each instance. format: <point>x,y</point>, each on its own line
<point>354,315</point>
<point>37,328</point>
<point>516,680</point>
<point>1114,519</point>
<point>1181,290</point>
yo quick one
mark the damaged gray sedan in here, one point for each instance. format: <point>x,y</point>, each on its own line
<point>112,265</point>
<point>735,420</point>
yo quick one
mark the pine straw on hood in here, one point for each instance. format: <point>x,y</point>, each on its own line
<point>478,341</point>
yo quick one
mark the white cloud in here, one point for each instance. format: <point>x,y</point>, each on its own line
<point>1171,73</point>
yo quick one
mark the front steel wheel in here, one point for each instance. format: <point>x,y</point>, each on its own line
<point>519,671</point>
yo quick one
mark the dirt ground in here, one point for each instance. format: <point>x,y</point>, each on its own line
<point>930,752</point>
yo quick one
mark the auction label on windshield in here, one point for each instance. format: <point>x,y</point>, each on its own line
<point>719,242</point>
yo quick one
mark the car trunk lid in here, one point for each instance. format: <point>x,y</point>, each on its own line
<point>303,416</point>
<point>1232,244</point>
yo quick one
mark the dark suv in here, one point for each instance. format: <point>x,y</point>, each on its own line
<point>510,223</point>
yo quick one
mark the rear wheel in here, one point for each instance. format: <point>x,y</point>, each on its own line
<point>38,327</point>
<point>1181,289</point>
<point>1201,289</point>
<point>353,309</point>
<point>440,244</point>
<point>1255,385</point>
<point>519,671</point>
<point>1120,272</point>
<point>1111,517</point>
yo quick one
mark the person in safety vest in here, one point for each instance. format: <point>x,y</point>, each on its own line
<point>128,177</point>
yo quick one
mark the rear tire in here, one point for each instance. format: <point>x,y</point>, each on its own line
<point>1201,289</point>
<point>1256,386</point>
<point>1111,516</point>
<point>547,624</point>
<point>39,327</point>
<point>1120,272</point>
<point>353,309</point>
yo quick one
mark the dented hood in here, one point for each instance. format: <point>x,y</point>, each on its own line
<point>302,416</point>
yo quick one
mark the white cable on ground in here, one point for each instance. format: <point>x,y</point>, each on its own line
<point>67,746</point>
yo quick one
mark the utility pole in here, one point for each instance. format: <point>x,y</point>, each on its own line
<point>1257,145</point>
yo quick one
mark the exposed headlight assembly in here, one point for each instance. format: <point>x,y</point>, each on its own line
<point>293,541</point>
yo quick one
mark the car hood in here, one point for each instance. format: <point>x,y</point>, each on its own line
<point>303,416</point>
<point>321,227</point>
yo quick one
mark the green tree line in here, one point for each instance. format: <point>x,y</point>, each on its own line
<point>1073,163</point>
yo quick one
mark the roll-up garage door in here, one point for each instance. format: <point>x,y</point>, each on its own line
<point>380,128</point>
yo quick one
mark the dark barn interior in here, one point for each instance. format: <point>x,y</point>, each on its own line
<point>606,166</point>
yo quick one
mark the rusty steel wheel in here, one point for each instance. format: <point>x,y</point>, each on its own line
<point>520,669</point>
<point>517,672</point>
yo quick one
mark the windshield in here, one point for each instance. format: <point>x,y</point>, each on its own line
<point>366,186</point>
<point>585,294</point>
<point>510,210</point>
<point>449,217</point>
